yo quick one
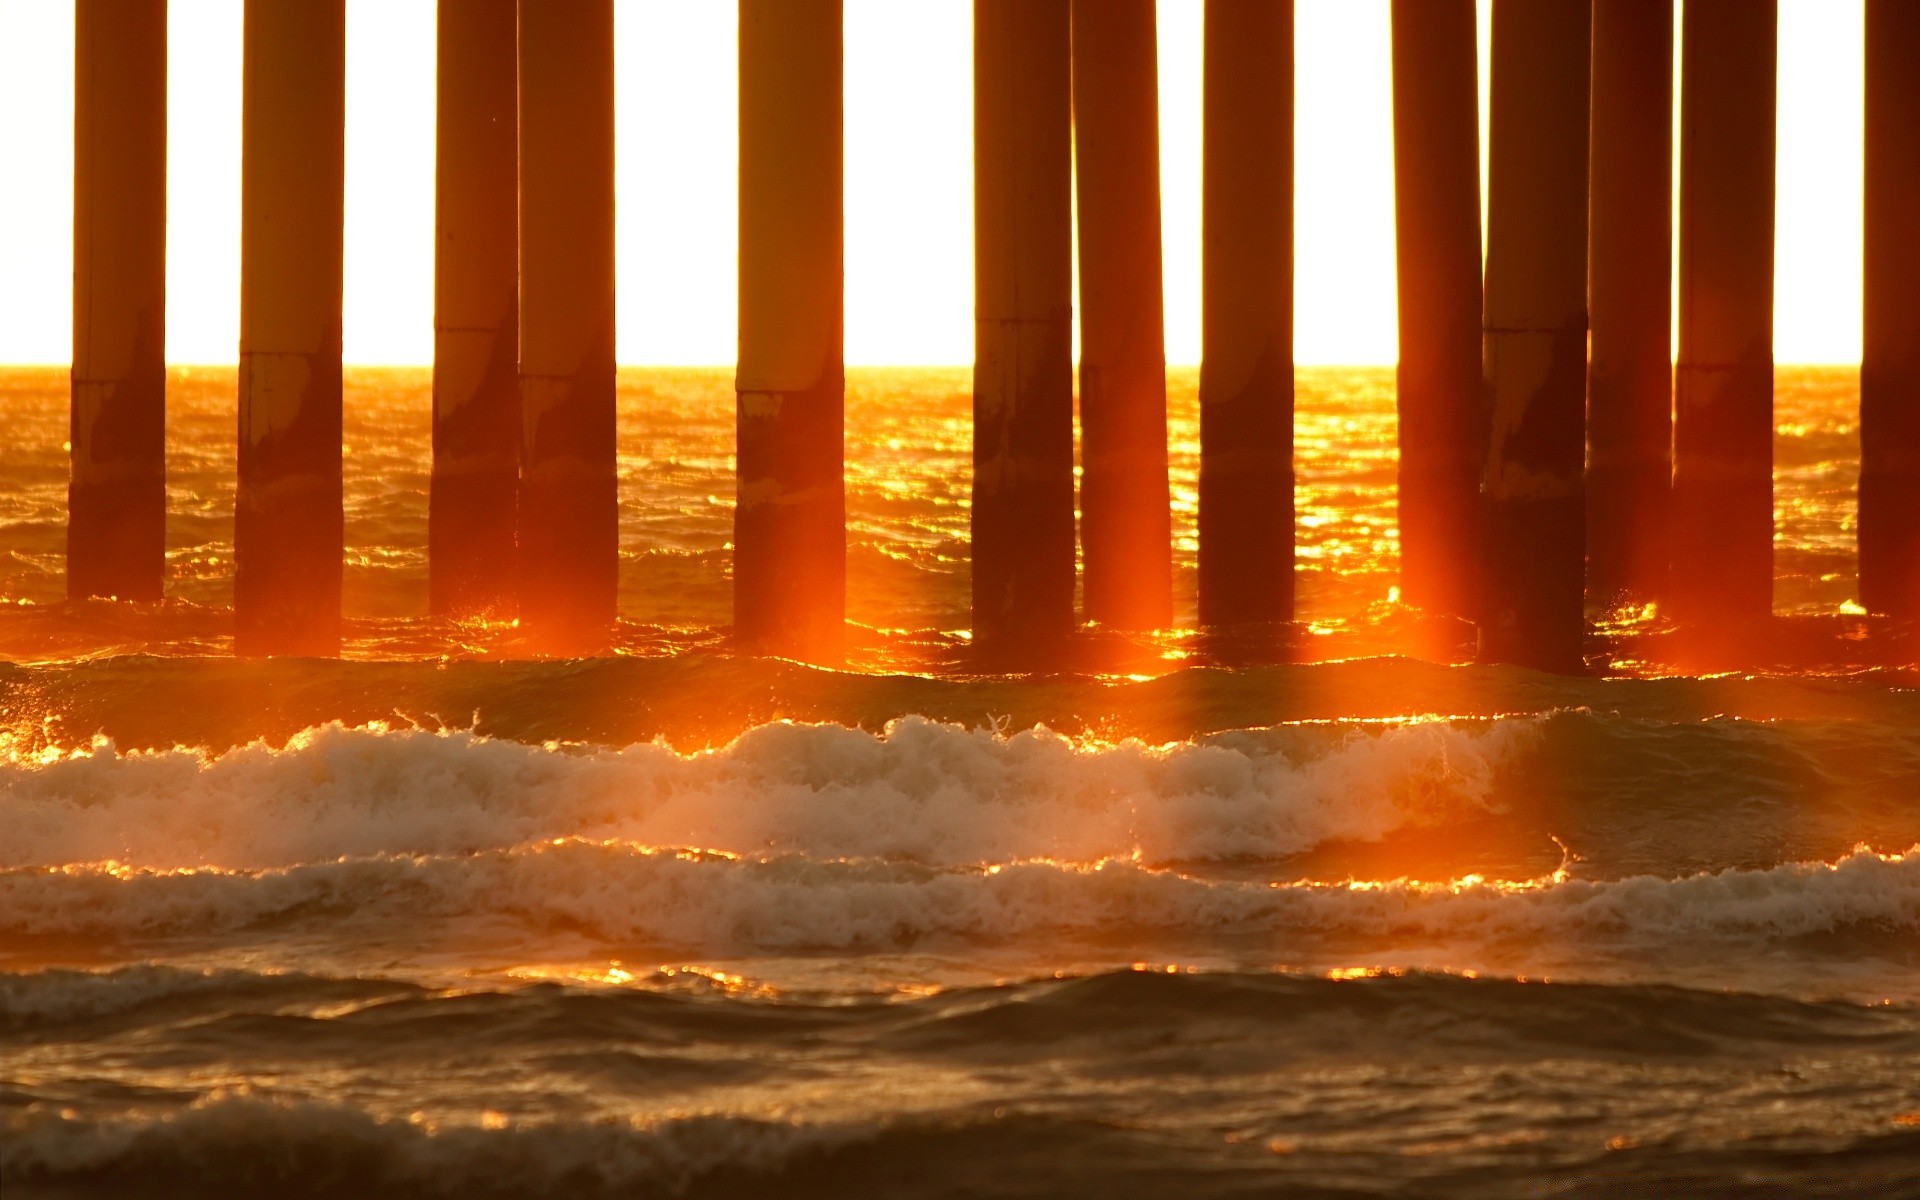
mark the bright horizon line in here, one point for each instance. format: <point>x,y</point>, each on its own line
<point>852,366</point>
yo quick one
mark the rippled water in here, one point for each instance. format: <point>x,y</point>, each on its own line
<point>908,469</point>
<point>433,922</point>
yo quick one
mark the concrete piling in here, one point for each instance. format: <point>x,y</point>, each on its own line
<point>288,521</point>
<point>790,514</point>
<point>1022,516</point>
<point>1443,422</point>
<point>1246,314</point>
<point>1126,529</point>
<point>474,498</point>
<point>116,500</point>
<point>1890,360</point>
<point>568,529</point>
<point>1535,349</point>
<point>1722,555</point>
<point>1630,264</point>
<point>1536,478</point>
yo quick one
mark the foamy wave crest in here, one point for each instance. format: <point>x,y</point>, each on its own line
<point>921,791</point>
<point>719,905</point>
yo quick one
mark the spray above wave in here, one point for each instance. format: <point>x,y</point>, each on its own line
<point>921,791</point>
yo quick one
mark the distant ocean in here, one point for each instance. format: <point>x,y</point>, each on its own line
<point>435,921</point>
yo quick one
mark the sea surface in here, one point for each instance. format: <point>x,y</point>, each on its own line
<point>1362,919</point>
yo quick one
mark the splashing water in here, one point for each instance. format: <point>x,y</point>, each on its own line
<point>433,922</point>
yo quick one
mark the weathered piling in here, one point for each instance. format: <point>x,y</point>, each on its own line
<point>568,534</point>
<point>1126,527</point>
<point>1535,350</point>
<point>474,498</point>
<point>790,514</point>
<point>288,533</point>
<point>116,501</point>
<point>1889,531</point>
<point>1722,556</point>
<point>1022,515</point>
<point>1630,264</point>
<point>1443,424</point>
<point>1246,313</point>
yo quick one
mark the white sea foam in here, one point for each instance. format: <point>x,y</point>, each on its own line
<point>921,791</point>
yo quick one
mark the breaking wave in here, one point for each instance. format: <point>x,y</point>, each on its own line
<point>720,904</point>
<point>921,791</point>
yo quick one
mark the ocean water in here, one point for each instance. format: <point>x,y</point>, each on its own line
<point>433,920</point>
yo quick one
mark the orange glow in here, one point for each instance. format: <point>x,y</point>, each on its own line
<point>909,232</point>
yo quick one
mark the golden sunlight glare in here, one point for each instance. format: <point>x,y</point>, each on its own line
<point>909,170</point>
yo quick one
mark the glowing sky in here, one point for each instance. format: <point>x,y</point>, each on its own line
<point>909,180</point>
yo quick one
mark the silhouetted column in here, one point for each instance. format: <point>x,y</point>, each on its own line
<point>287,535</point>
<point>1126,519</point>
<point>116,502</point>
<point>1535,349</point>
<point>476,392</point>
<point>790,515</point>
<point>569,533</point>
<point>1023,544</point>
<point>1246,313</point>
<point>1723,413</point>
<point>1436,201</point>
<point>1630,379</point>
<point>1890,359</point>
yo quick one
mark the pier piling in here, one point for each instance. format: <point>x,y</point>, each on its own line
<point>790,514</point>
<point>1630,260</point>
<point>1022,516</point>
<point>1890,344</point>
<point>1126,528</point>
<point>474,497</point>
<point>1246,313</point>
<point>288,521</point>
<point>1535,350</point>
<point>1722,555</point>
<point>1443,423</point>
<point>569,532</point>
<point>116,501</point>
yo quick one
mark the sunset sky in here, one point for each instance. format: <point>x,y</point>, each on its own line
<point>908,151</point>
